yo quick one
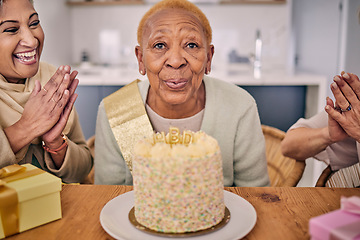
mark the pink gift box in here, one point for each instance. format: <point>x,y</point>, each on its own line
<point>337,224</point>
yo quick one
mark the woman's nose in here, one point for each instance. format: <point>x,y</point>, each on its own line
<point>28,39</point>
<point>176,58</point>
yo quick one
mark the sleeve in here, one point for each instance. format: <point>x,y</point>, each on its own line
<point>78,161</point>
<point>317,121</point>
<point>110,167</point>
<point>7,155</point>
<point>320,120</point>
<point>250,165</point>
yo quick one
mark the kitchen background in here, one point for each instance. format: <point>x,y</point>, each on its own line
<point>304,44</point>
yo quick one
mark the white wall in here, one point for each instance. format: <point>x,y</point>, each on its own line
<point>234,27</point>
<point>352,43</point>
<point>327,37</point>
<point>56,21</point>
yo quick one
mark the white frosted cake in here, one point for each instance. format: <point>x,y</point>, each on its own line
<point>178,182</point>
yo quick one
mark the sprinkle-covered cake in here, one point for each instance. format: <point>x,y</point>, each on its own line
<point>178,182</point>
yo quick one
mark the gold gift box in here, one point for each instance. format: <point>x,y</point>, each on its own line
<point>38,199</point>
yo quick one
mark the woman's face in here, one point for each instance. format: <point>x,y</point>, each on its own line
<point>21,40</point>
<point>175,55</point>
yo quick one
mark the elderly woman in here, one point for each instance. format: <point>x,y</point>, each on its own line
<point>333,135</point>
<point>175,52</point>
<point>38,124</point>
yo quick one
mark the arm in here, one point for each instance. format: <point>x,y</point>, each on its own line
<point>250,165</point>
<point>320,132</point>
<point>47,107</point>
<point>7,155</point>
<point>77,162</point>
<point>302,143</point>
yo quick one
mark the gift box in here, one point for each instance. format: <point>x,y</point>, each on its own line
<point>29,197</point>
<point>339,224</point>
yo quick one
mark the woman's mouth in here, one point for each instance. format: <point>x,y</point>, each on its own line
<point>26,57</point>
<point>176,84</point>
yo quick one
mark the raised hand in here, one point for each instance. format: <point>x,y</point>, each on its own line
<point>336,132</point>
<point>346,90</point>
<point>55,132</point>
<point>48,108</point>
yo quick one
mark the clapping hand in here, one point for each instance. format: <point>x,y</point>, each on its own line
<point>49,107</point>
<point>344,115</point>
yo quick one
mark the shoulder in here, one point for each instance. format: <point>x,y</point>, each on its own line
<point>227,93</point>
<point>142,87</point>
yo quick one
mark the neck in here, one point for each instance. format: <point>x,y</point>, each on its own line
<point>16,81</point>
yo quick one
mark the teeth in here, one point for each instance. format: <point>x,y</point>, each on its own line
<point>27,54</point>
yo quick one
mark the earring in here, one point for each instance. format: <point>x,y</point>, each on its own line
<point>142,72</point>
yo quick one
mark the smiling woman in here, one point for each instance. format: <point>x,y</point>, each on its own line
<point>38,124</point>
<point>175,52</point>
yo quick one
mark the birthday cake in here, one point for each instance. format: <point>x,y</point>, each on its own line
<point>178,182</point>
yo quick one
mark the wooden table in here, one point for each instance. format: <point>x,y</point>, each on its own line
<point>282,213</point>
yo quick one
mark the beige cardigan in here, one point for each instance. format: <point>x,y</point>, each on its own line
<point>78,160</point>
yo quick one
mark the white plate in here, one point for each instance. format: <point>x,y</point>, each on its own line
<point>114,219</point>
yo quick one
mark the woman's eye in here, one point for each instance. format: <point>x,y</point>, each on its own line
<point>11,30</point>
<point>159,46</point>
<point>192,45</point>
<point>35,23</point>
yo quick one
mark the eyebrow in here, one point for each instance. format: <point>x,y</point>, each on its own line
<point>14,21</point>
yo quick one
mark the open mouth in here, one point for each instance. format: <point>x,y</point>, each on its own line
<point>26,57</point>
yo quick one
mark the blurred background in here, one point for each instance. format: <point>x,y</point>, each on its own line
<point>284,52</point>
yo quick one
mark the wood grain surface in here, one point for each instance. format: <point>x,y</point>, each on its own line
<point>282,213</point>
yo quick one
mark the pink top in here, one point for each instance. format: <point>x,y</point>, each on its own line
<point>338,155</point>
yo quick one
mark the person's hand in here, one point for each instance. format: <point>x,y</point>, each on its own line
<point>45,105</point>
<point>346,112</point>
<point>54,134</point>
<point>336,132</point>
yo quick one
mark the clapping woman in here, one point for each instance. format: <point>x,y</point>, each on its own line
<point>38,123</point>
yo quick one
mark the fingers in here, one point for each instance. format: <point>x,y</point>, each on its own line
<point>55,87</point>
<point>340,99</point>
<point>353,81</point>
<point>59,93</point>
<point>329,102</point>
<point>73,75</point>
<point>329,108</point>
<point>69,106</point>
<point>343,93</point>
<point>73,86</point>
<point>67,110</point>
<point>349,86</point>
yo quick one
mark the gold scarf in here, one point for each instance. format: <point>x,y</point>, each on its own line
<point>128,119</point>
<point>13,98</point>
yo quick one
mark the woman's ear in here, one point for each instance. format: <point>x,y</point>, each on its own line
<point>139,56</point>
<point>210,55</point>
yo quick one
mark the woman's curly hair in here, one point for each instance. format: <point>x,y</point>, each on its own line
<point>175,4</point>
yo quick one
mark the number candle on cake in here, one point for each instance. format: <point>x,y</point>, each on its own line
<point>178,182</point>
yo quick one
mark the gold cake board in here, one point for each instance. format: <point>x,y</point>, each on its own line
<point>216,227</point>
